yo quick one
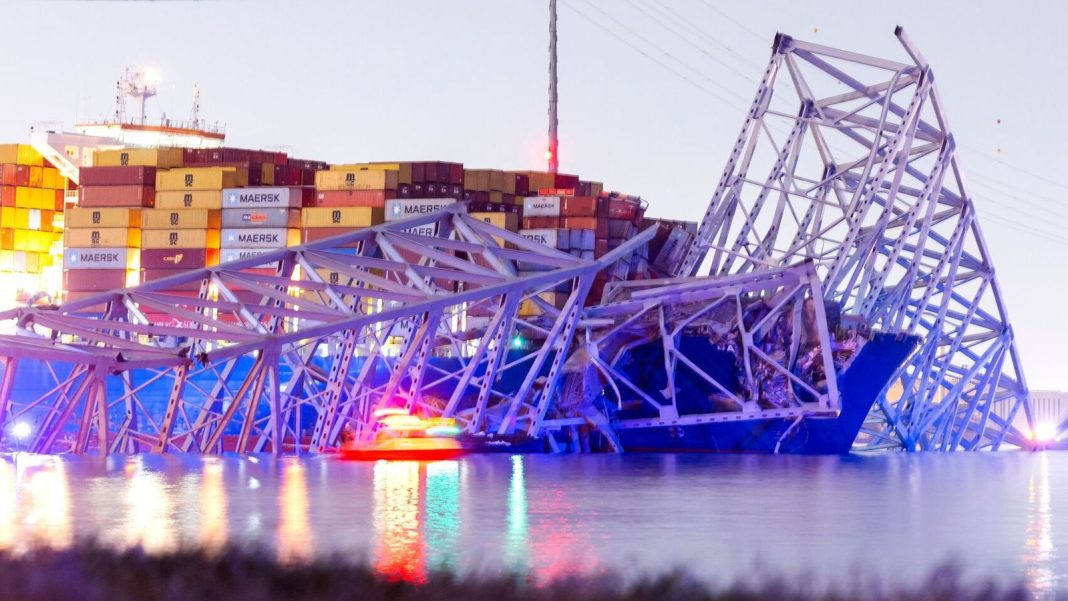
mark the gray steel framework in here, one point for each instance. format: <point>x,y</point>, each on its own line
<point>843,189</point>
<point>848,160</point>
<point>276,354</point>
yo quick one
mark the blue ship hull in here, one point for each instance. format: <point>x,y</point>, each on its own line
<point>859,387</point>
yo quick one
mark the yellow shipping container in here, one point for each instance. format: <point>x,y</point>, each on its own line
<point>162,158</point>
<point>35,198</point>
<point>36,177</point>
<point>81,217</point>
<point>51,178</point>
<point>180,239</point>
<point>27,262</point>
<point>38,242</point>
<point>267,174</point>
<point>179,219</point>
<point>356,179</point>
<point>341,216</point>
<point>404,170</point>
<point>202,178</point>
<point>26,219</point>
<point>529,308</point>
<point>505,221</point>
<point>194,199</point>
<point>22,154</point>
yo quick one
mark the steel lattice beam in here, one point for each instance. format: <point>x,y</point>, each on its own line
<point>270,355</point>
<point>848,161</point>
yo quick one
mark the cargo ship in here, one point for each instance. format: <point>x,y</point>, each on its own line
<point>109,207</point>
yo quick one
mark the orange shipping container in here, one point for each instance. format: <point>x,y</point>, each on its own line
<point>195,199</point>
<point>356,179</point>
<point>116,196</point>
<point>104,217</point>
<point>202,178</point>
<point>163,158</point>
<point>34,198</point>
<point>102,237</point>
<point>351,217</point>
<point>20,154</point>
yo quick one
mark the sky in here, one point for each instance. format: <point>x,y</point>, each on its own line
<point>652,95</point>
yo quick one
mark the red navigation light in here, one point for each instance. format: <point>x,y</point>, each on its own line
<point>548,154</point>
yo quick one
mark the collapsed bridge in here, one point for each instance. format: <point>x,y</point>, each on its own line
<point>841,219</point>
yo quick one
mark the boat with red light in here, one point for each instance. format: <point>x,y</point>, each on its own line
<point>401,436</point>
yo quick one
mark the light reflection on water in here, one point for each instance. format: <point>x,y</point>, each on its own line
<point>543,516</point>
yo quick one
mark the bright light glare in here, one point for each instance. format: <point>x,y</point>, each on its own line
<point>21,430</point>
<point>548,154</point>
<point>152,76</point>
<point>1045,431</point>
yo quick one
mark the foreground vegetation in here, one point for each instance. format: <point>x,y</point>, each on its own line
<point>91,572</point>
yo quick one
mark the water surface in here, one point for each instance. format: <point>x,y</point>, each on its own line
<point>1002,515</point>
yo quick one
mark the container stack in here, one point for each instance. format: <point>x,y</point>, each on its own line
<point>256,221</point>
<point>354,196</point>
<point>103,234</point>
<point>183,231</point>
<point>31,195</point>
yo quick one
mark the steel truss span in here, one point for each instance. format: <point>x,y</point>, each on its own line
<point>279,352</point>
<point>849,161</point>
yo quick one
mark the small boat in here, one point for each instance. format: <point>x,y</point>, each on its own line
<point>404,437</point>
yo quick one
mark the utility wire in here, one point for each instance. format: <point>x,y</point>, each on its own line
<point>669,55</point>
<point>689,24</point>
<point>671,29</point>
<point>740,25</point>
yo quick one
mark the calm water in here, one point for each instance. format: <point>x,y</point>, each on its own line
<point>1004,515</point>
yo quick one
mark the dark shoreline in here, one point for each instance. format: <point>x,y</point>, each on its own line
<point>92,572</point>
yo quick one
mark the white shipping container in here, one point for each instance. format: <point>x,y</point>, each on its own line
<point>95,258</point>
<point>255,237</point>
<point>261,198</point>
<point>548,237</point>
<point>274,217</point>
<point>228,255</point>
<point>427,229</point>
<point>541,206</point>
<point>402,208</point>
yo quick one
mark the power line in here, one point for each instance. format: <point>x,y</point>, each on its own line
<point>740,25</point>
<point>639,50</point>
<point>680,35</point>
<point>701,32</point>
<point>665,52</point>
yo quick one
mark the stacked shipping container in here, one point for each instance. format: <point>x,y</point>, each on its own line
<point>31,195</point>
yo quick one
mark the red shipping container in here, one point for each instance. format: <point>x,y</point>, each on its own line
<point>7,175</point>
<point>314,234</point>
<point>600,247</point>
<point>354,198</point>
<point>476,196</point>
<point>418,173</point>
<point>150,275</point>
<point>566,181</point>
<point>7,196</point>
<point>456,174</point>
<point>178,258</point>
<point>434,172</point>
<point>600,226</point>
<point>118,176</point>
<point>94,280</point>
<point>538,223</point>
<point>522,184</point>
<point>60,201</point>
<point>117,196</point>
<point>578,206</point>
<point>22,175</point>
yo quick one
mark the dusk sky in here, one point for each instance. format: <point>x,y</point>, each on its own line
<point>652,95</point>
